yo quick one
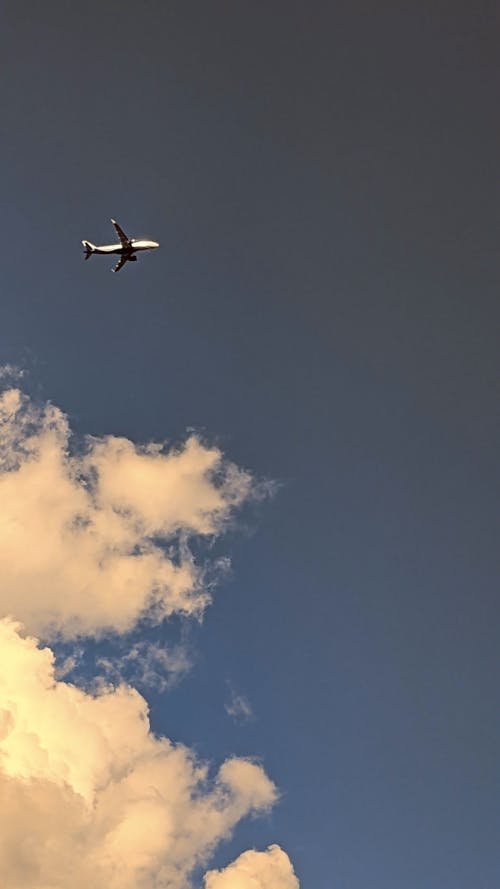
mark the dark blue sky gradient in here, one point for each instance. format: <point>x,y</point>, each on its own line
<point>323,182</point>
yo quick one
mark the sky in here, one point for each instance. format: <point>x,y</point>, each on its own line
<point>248,611</point>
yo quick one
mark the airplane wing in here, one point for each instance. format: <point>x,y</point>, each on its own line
<point>121,234</point>
<point>121,262</point>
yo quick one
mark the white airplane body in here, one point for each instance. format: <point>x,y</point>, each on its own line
<point>127,248</point>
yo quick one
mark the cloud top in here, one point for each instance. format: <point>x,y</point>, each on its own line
<point>90,540</point>
<point>255,870</point>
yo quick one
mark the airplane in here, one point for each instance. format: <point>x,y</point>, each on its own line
<point>127,248</point>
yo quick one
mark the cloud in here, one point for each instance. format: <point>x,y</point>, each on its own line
<point>149,665</point>
<point>94,537</point>
<point>238,707</point>
<point>255,870</point>
<point>91,797</point>
<point>90,540</point>
<point>11,372</point>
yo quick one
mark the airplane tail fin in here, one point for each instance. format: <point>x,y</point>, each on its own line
<point>89,249</point>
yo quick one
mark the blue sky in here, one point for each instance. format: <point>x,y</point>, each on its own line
<point>323,309</point>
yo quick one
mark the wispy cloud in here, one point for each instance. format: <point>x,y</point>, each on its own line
<point>70,663</point>
<point>10,373</point>
<point>148,665</point>
<point>238,706</point>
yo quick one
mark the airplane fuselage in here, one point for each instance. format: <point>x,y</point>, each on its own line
<point>135,246</point>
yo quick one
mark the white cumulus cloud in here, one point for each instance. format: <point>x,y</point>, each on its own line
<point>90,797</point>
<point>255,870</point>
<point>89,541</point>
